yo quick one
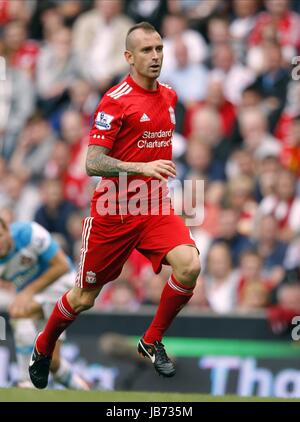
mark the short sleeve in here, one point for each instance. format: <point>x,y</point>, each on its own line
<point>43,243</point>
<point>107,123</point>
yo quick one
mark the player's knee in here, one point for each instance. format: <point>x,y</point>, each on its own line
<point>189,272</point>
<point>24,331</point>
<point>82,300</point>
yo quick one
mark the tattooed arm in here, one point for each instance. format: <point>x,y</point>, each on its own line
<point>98,163</point>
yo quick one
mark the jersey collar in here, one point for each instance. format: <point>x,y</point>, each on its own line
<point>137,87</point>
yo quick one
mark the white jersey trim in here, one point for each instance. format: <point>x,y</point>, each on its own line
<point>123,89</point>
<point>118,89</point>
<point>165,85</point>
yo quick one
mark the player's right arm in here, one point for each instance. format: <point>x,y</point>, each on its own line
<point>108,120</point>
<point>98,163</point>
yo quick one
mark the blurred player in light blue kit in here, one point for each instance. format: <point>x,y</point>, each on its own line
<point>41,272</point>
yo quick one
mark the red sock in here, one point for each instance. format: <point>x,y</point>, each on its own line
<point>173,298</point>
<point>62,316</point>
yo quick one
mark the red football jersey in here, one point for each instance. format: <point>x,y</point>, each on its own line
<point>137,126</point>
<point>4,12</point>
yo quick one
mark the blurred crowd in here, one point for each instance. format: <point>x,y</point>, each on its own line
<point>233,64</point>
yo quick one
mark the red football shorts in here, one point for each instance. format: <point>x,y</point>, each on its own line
<point>107,242</point>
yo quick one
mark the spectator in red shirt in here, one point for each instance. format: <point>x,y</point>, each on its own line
<point>284,205</point>
<point>75,179</point>
<point>215,98</point>
<point>285,22</point>
<point>290,154</point>
<point>288,298</point>
<point>11,10</point>
<point>253,289</point>
<point>21,53</point>
<point>240,197</point>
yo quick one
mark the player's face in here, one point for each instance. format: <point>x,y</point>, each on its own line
<point>147,54</point>
<point>5,241</point>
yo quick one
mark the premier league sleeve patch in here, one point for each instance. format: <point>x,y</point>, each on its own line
<point>103,121</point>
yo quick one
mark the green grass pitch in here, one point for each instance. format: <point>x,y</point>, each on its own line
<point>31,395</point>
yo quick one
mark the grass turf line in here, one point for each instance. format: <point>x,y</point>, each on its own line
<point>32,395</point>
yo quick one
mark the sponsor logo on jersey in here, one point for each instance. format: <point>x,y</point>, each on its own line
<point>160,134</point>
<point>145,118</point>
<point>90,277</point>
<point>26,261</point>
<point>159,139</point>
<point>103,121</point>
<point>154,144</point>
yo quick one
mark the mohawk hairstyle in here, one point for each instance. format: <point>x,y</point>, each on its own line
<point>146,26</point>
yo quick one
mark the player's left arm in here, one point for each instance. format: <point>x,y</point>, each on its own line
<point>24,304</point>
<point>51,258</point>
<point>58,266</point>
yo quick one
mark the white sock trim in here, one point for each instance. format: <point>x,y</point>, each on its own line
<point>179,289</point>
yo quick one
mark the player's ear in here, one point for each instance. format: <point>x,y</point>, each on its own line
<point>4,224</point>
<point>129,57</point>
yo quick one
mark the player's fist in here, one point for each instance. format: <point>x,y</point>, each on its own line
<point>160,169</point>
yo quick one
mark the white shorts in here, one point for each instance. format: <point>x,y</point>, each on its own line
<point>47,298</point>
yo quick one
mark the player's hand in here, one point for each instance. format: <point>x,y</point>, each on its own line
<point>160,169</point>
<point>21,306</point>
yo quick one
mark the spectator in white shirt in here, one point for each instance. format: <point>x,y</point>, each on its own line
<point>175,26</point>
<point>188,79</point>
<point>236,76</point>
<point>98,42</point>
<point>221,280</point>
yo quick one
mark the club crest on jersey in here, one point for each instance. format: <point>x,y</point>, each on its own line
<point>26,261</point>
<point>172,115</point>
<point>103,121</point>
<point>90,277</point>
